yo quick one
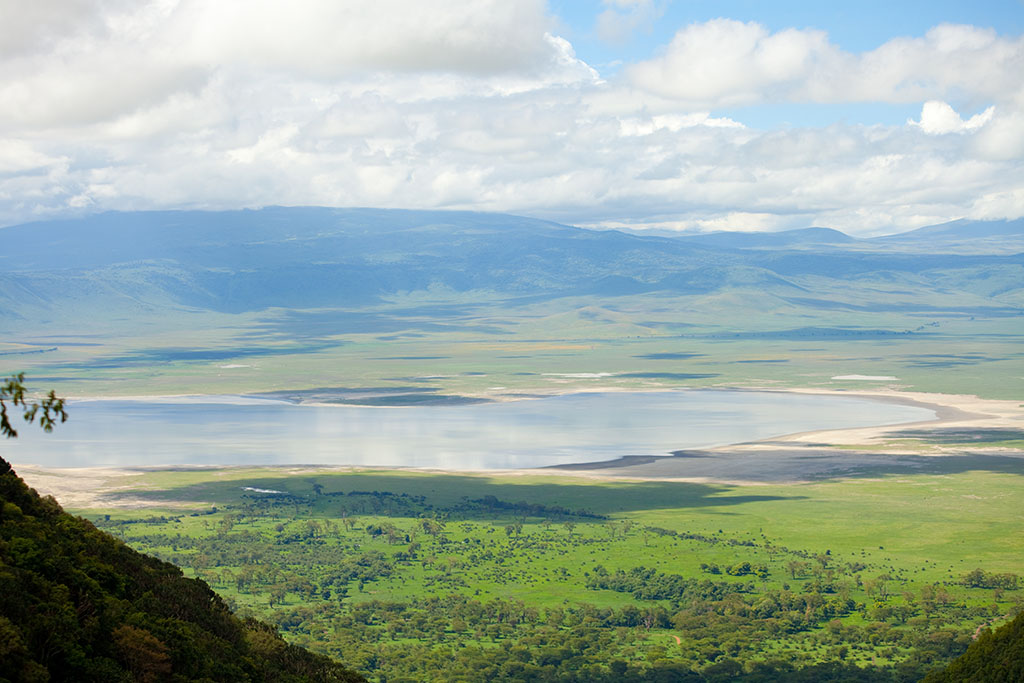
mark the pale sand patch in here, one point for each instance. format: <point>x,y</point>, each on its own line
<point>952,411</point>
<point>867,378</point>
<point>85,487</point>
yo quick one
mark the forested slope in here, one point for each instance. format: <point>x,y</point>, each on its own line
<point>995,657</point>
<point>79,605</point>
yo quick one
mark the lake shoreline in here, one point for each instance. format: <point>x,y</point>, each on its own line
<point>793,458</point>
<point>804,457</point>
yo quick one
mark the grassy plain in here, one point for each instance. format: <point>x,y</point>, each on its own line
<point>897,546</point>
<point>460,345</point>
<point>967,517</point>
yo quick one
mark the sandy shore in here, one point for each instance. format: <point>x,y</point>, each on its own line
<point>958,438</point>
<point>960,433</point>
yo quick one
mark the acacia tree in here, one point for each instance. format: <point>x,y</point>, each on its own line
<point>48,409</point>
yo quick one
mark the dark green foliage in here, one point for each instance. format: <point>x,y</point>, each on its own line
<point>982,579</point>
<point>457,638</point>
<point>492,503</point>
<point>647,584</point>
<point>79,605</point>
<point>995,657</point>
<point>48,410</point>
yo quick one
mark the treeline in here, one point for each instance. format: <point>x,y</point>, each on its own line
<point>982,579</point>
<point>644,583</point>
<point>525,509</point>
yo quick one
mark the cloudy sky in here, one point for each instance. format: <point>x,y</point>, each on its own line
<point>684,114</point>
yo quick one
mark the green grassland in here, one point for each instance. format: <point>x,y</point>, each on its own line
<point>460,345</point>
<point>400,573</point>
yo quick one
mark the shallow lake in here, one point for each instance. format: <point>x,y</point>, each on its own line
<point>574,428</point>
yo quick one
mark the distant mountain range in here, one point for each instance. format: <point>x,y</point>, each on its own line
<point>302,258</point>
<point>785,238</point>
<point>961,230</point>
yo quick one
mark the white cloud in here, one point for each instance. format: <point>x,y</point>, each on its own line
<point>19,156</point>
<point>440,103</point>
<point>725,63</point>
<point>96,60</point>
<point>327,39</point>
<point>674,123</point>
<point>938,118</point>
<point>27,26</point>
<point>1003,138</point>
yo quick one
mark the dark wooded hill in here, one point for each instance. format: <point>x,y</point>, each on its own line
<point>995,657</point>
<point>79,605</point>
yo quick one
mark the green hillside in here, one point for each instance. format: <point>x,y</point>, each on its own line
<point>995,657</point>
<point>79,605</point>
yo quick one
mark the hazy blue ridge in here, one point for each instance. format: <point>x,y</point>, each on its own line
<point>960,229</point>
<point>310,258</point>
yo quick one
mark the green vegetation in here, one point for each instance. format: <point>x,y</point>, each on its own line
<point>48,410</point>
<point>996,656</point>
<point>412,576</point>
<point>80,605</point>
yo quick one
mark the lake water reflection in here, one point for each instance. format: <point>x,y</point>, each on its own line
<point>574,428</point>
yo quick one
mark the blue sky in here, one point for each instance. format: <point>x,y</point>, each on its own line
<point>869,117</point>
<point>853,26</point>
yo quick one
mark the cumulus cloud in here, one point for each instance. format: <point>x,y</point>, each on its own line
<point>938,118</point>
<point>726,63</point>
<point>27,26</point>
<point>447,104</point>
<point>674,123</point>
<point>94,60</point>
<point>19,156</point>
<point>1003,138</point>
<point>325,38</point>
